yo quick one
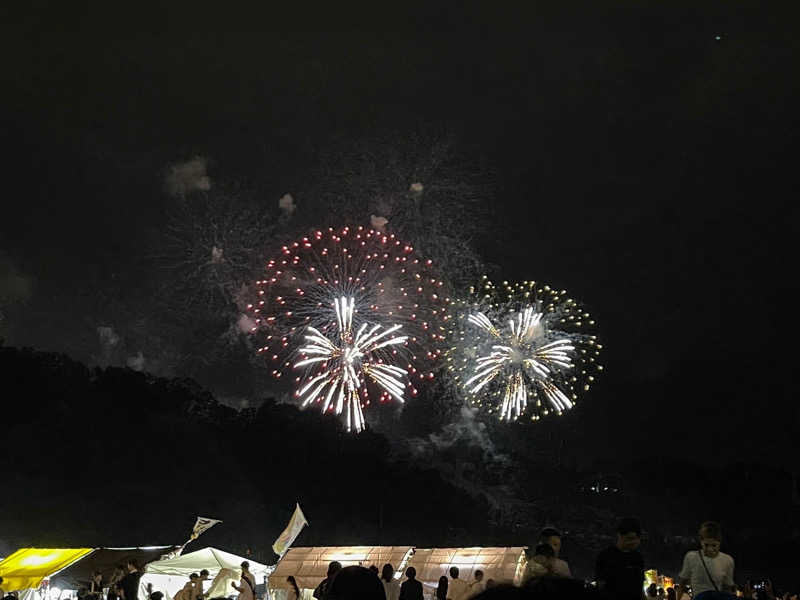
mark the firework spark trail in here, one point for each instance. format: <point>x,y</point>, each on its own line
<point>541,355</point>
<point>346,362</point>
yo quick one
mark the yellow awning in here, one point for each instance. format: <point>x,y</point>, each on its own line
<point>28,566</point>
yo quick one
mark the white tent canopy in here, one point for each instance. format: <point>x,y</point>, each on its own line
<point>171,574</point>
<point>504,565</point>
<point>310,565</point>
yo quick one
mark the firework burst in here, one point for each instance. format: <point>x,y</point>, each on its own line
<point>385,286</point>
<point>522,348</point>
<point>345,361</point>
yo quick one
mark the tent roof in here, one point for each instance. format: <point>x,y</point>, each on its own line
<point>310,565</point>
<point>27,567</point>
<point>212,559</point>
<point>105,560</point>
<point>500,564</point>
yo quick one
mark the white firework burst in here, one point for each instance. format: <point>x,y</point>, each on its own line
<point>524,347</point>
<point>524,356</point>
<point>346,361</point>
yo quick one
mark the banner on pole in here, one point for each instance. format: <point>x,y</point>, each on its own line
<point>289,535</point>
<point>203,524</point>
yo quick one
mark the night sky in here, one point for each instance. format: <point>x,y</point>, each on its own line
<point>641,159</point>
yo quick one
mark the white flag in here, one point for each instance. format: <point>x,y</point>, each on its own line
<point>203,524</point>
<point>289,535</point>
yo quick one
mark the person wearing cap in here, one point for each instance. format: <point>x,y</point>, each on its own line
<point>552,537</point>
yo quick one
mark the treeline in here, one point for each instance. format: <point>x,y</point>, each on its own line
<point>116,457</point>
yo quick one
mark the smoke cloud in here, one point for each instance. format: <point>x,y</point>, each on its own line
<point>245,324</point>
<point>108,337</point>
<point>287,205</point>
<point>465,430</point>
<point>136,362</point>
<point>187,177</point>
<point>14,286</point>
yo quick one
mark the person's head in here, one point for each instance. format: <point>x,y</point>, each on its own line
<point>132,565</point>
<point>204,574</point>
<point>355,583</point>
<point>334,567</point>
<point>245,566</point>
<point>411,573</point>
<point>373,569</point>
<point>629,534</point>
<point>454,572</point>
<point>194,577</point>
<point>478,575</point>
<point>552,536</point>
<point>671,594</point>
<point>387,573</point>
<point>710,538</point>
<point>660,592</point>
<point>97,576</point>
<point>156,596</point>
<point>544,555</point>
<point>651,590</point>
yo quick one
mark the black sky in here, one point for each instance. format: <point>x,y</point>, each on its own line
<point>644,160</point>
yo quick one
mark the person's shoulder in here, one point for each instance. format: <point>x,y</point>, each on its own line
<point>635,556</point>
<point>726,557</point>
